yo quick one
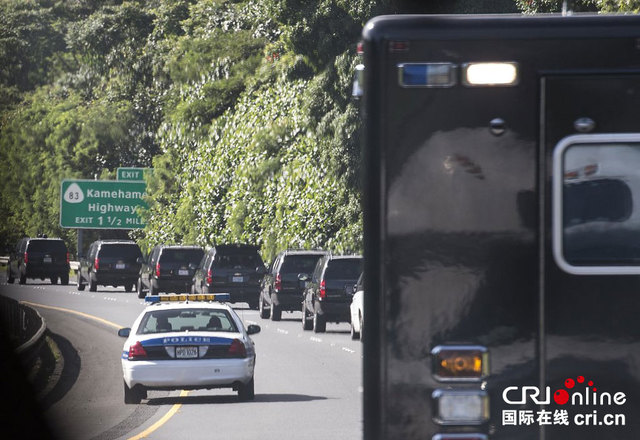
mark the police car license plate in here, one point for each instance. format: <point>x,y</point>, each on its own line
<point>186,352</point>
<point>47,260</point>
<point>120,266</point>
<point>183,272</point>
<point>238,279</point>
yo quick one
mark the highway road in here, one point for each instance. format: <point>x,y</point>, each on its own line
<point>308,386</point>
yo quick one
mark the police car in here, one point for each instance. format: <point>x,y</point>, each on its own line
<point>188,342</point>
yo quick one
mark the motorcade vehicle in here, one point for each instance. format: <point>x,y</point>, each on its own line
<point>110,263</point>
<point>501,227</point>
<point>357,310</point>
<point>282,288</point>
<point>191,342</point>
<point>329,291</point>
<point>39,258</point>
<point>236,269</point>
<point>169,268</point>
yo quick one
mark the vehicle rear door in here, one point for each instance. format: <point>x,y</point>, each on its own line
<point>591,259</point>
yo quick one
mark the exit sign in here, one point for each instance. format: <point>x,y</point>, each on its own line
<point>124,173</point>
<point>102,204</point>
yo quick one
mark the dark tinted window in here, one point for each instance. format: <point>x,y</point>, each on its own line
<point>299,263</point>
<point>182,255</point>
<point>56,246</point>
<point>120,251</point>
<point>344,269</point>
<point>237,259</point>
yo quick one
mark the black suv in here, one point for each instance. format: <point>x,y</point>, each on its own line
<point>110,263</point>
<point>329,292</point>
<point>169,269</point>
<point>282,287</point>
<point>39,258</point>
<point>236,269</point>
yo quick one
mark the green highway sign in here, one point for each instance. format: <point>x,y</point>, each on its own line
<point>102,204</point>
<point>124,173</point>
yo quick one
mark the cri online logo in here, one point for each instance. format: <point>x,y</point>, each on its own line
<point>578,391</point>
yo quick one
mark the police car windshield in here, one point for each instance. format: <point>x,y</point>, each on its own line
<point>187,320</point>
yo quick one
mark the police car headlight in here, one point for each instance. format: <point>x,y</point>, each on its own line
<point>465,407</point>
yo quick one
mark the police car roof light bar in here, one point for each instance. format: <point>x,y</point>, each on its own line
<point>219,297</point>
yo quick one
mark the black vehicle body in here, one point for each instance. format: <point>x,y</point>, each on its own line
<point>472,239</point>
<point>169,269</point>
<point>328,294</point>
<point>39,258</point>
<point>236,269</point>
<point>110,263</point>
<point>282,287</point>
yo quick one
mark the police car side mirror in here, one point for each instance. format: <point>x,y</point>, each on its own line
<point>253,329</point>
<point>124,332</point>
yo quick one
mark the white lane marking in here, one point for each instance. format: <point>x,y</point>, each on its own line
<point>282,331</point>
<point>314,339</point>
<point>348,350</point>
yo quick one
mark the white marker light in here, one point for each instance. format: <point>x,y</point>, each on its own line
<point>461,407</point>
<point>490,74</point>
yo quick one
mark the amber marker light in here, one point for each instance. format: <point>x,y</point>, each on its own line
<point>460,362</point>
<point>490,74</point>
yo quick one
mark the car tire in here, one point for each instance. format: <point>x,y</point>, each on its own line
<point>131,396</point>
<point>140,290</point>
<point>253,305</point>
<point>246,391</point>
<point>354,334</point>
<point>129,287</point>
<point>23,279</point>
<point>276,312</point>
<point>10,278</point>
<point>64,279</point>
<point>307,324</point>
<point>264,312</point>
<point>79,282</point>
<point>54,280</point>
<point>93,285</point>
<point>319,323</point>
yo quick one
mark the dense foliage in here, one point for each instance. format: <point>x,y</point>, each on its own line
<point>242,107</point>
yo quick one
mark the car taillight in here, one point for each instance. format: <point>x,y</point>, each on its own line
<point>157,269</point>
<point>209,276</point>
<point>237,349</point>
<point>96,264</point>
<point>26,258</point>
<point>323,289</point>
<point>278,283</point>
<point>137,351</point>
<point>67,257</point>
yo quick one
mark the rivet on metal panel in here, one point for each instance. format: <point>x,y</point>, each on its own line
<point>584,125</point>
<point>497,126</point>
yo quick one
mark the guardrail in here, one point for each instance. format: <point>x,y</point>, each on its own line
<point>23,325</point>
<point>4,260</point>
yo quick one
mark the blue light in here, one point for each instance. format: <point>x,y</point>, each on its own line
<point>223,296</point>
<point>426,75</point>
<point>152,299</point>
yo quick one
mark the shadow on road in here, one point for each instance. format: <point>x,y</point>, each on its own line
<point>69,373</point>
<point>203,400</point>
